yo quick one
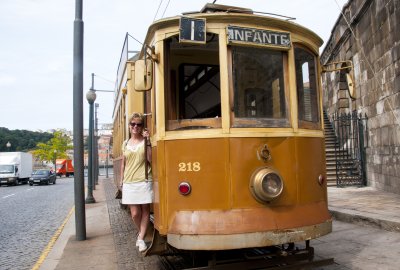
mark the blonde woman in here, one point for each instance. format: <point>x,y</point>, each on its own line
<point>137,191</point>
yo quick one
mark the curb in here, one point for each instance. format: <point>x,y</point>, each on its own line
<point>351,216</point>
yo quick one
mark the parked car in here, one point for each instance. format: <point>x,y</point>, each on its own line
<point>43,176</point>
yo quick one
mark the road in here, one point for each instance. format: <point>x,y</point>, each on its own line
<point>359,247</point>
<point>352,246</point>
<point>29,217</point>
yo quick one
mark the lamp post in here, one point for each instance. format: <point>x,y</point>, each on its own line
<point>91,97</point>
<point>108,153</point>
<point>79,182</point>
<point>8,144</point>
<point>96,148</point>
<point>55,158</point>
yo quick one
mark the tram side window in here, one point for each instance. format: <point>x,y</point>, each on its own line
<point>307,94</point>
<point>192,93</point>
<point>259,87</point>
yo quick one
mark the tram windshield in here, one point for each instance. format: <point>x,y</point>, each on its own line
<point>306,82</point>
<point>259,87</point>
<point>192,93</point>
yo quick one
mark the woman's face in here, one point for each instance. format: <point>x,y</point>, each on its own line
<point>136,126</point>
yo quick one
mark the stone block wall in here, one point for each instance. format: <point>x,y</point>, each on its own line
<point>368,34</point>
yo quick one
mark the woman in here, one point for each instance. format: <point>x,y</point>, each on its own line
<point>137,191</point>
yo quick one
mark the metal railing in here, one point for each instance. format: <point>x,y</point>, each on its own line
<point>352,139</point>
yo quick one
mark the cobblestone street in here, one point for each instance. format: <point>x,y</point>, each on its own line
<point>124,233</point>
<point>352,246</point>
<point>29,218</point>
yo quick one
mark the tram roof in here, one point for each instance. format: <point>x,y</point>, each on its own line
<point>230,14</point>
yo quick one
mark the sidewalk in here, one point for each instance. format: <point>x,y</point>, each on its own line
<point>365,206</point>
<point>97,251</point>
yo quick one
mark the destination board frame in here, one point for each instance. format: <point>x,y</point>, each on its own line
<point>192,30</point>
<point>258,37</point>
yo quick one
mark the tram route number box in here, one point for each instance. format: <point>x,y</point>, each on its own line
<point>192,30</point>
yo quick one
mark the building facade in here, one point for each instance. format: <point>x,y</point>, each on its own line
<point>367,36</point>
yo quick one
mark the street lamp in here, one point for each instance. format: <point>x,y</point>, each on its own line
<point>8,144</point>
<point>79,179</point>
<point>96,148</point>
<point>91,97</point>
<point>108,154</point>
<point>95,145</point>
<point>55,158</point>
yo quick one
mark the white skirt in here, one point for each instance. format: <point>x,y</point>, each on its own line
<point>137,193</point>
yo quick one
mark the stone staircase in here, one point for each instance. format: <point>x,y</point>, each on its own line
<point>349,169</point>
<point>330,141</point>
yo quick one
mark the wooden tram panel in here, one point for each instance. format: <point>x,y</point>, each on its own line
<point>220,201</point>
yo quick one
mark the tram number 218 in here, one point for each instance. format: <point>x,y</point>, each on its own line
<point>189,166</point>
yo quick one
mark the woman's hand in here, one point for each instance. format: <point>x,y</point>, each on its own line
<point>146,133</point>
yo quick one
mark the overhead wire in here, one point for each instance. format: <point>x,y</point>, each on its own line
<point>375,76</point>
<point>105,79</point>
<point>155,15</point>
<point>165,9</point>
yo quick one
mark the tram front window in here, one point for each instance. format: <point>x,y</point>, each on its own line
<point>192,93</point>
<point>259,87</point>
<point>307,89</point>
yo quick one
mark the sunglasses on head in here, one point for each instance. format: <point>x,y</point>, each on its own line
<point>136,124</point>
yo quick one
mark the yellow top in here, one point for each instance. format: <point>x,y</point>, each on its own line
<point>134,163</point>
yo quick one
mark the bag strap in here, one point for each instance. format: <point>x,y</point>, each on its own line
<point>124,144</point>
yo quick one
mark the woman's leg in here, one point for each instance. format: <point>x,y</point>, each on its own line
<point>136,214</point>
<point>145,219</point>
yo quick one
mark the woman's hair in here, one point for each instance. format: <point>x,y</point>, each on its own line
<point>137,115</point>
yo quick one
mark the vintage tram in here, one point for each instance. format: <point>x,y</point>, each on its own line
<point>233,103</point>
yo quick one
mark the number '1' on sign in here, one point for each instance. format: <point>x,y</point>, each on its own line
<point>192,30</point>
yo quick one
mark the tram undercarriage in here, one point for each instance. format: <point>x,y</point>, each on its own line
<point>287,256</point>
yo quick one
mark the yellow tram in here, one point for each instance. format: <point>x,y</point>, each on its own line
<point>234,108</point>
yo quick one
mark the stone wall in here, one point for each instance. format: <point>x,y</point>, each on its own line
<point>368,34</point>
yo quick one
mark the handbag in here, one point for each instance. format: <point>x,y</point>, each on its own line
<point>118,194</point>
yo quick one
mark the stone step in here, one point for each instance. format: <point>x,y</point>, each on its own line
<point>348,172</point>
<point>330,139</point>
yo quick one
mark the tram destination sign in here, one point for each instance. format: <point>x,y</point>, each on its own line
<point>255,36</point>
<point>192,30</point>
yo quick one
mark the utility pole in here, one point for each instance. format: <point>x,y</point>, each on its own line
<point>91,97</point>
<point>107,158</point>
<point>79,191</point>
<point>96,143</point>
<point>96,147</point>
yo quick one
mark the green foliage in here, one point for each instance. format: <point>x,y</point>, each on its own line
<point>44,145</point>
<point>55,148</point>
<point>21,140</point>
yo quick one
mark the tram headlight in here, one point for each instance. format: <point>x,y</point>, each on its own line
<point>266,184</point>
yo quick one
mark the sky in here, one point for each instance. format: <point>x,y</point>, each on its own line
<point>36,50</point>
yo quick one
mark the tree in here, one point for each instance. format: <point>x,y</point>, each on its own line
<point>21,140</point>
<point>55,148</point>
